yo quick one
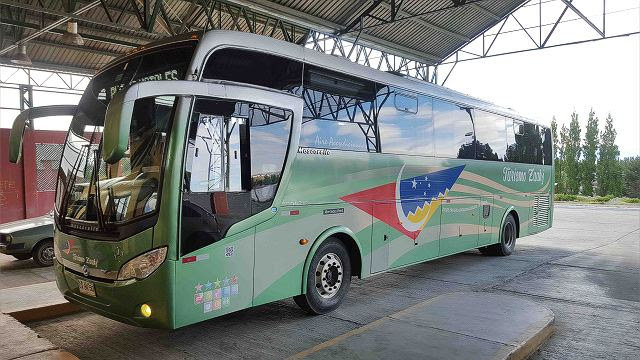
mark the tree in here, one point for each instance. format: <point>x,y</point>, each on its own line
<point>631,176</point>
<point>564,140</point>
<point>608,169</point>
<point>572,152</point>
<point>557,156</point>
<point>589,152</point>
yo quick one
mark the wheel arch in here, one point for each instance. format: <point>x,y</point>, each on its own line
<point>40,242</point>
<point>511,210</point>
<point>348,238</point>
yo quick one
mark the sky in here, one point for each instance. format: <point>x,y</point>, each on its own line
<point>602,75</point>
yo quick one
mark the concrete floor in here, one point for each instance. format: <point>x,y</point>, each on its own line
<point>14,273</point>
<point>586,270</point>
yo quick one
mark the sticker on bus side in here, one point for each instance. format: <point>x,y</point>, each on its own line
<point>333,211</point>
<point>216,295</point>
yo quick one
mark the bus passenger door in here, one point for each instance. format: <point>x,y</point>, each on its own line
<point>486,231</point>
<point>459,224</point>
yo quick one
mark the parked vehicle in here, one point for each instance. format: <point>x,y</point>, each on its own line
<point>28,238</point>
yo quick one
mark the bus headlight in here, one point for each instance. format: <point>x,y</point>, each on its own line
<point>142,266</point>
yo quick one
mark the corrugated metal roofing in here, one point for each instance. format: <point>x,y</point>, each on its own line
<point>424,30</point>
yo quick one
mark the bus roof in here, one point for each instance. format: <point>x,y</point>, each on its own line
<point>225,38</point>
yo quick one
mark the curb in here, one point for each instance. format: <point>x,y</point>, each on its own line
<point>527,348</point>
<point>45,312</point>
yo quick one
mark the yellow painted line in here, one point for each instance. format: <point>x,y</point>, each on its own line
<point>357,331</point>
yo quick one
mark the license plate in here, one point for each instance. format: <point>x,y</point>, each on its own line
<point>86,288</point>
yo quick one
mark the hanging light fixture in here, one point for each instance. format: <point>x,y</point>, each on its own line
<point>20,57</point>
<point>71,37</point>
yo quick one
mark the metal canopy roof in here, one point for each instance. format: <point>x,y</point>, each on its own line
<point>426,31</point>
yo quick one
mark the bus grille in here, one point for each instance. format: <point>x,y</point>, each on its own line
<point>541,210</point>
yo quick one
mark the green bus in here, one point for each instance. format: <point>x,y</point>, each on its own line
<point>205,174</point>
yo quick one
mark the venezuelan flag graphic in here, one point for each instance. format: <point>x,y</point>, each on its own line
<point>407,204</point>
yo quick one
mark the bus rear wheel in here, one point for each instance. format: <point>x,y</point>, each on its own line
<point>507,244</point>
<point>328,279</point>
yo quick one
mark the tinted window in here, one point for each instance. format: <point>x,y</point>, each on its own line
<point>525,147</point>
<point>546,147</point>
<point>235,155</point>
<point>491,136</point>
<point>256,68</point>
<point>405,122</point>
<point>453,131</point>
<point>339,112</point>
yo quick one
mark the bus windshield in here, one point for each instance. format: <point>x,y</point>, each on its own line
<point>91,190</point>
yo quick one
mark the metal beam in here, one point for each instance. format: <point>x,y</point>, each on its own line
<point>77,48</point>
<point>579,13</point>
<point>45,66</point>
<point>487,12</point>
<point>309,21</point>
<point>48,27</point>
<point>425,23</point>
<point>106,40</point>
<point>76,16</point>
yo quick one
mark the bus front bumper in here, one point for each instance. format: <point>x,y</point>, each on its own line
<point>121,300</point>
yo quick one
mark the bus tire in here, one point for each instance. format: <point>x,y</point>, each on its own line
<point>328,278</point>
<point>507,244</point>
<point>43,253</point>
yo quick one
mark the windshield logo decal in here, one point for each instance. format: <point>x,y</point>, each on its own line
<point>419,198</point>
<point>66,246</point>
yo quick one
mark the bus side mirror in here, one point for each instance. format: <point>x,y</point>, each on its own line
<point>15,138</point>
<point>117,121</point>
<point>24,119</point>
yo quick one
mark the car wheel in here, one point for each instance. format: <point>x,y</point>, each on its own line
<point>22,256</point>
<point>507,244</point>
<point>328,279</point>
<point>43,253</point>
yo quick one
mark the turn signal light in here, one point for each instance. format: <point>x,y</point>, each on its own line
<point>145,310</point>
<point>304,241</point>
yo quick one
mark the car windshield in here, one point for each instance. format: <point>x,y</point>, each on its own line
<point>88,188</point>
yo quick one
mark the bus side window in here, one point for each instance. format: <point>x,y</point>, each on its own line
<point>339,111</point>
<point>524,142</point>
<point>405,122</point>
<point>546,146</point>
<point>453,131</point>
<point>247,66</point>
<point>491,137</point>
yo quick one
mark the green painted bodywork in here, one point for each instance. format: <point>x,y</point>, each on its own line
<point>26,234</point>
<point>262,255</point>
<point>261,258</point>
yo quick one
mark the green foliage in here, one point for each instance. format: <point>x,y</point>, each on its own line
<point>631,200</point>
<point>589,151</point>
<point>558,152</point>
<point>609,173</point>
<point>572,150</point>
<point>565,197</point>
<point>631,176</point>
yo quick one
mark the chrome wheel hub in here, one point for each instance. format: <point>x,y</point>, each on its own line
<point>328,275</point>
<point>47,254</point>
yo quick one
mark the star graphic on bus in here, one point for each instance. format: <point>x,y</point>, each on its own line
<point>419,198</point>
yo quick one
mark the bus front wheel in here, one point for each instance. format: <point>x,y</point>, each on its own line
<point>328,278</point>
<point>507,242</point>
